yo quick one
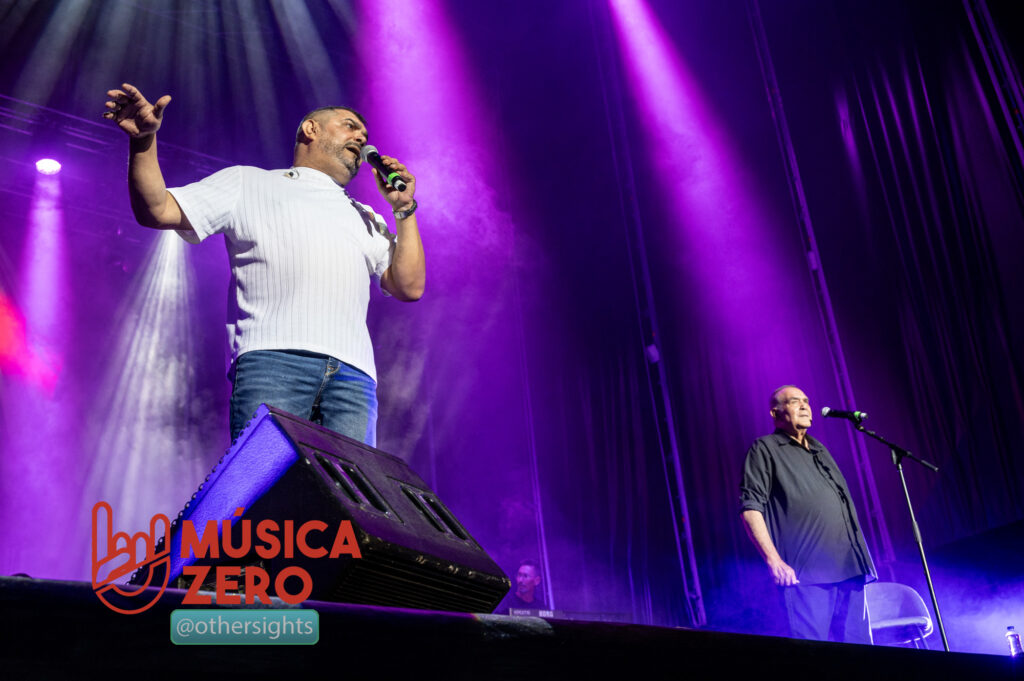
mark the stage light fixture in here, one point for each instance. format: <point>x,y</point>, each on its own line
<point>48,166</point>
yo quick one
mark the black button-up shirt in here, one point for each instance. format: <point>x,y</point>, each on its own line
<point>807,507</point>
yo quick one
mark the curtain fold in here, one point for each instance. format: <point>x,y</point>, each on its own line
<point>938,169</point>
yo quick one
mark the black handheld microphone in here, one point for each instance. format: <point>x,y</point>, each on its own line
<point>855,416</point>
<point>371,156</point>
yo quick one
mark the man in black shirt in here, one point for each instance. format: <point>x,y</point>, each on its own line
<point>526,595</point>
<point>797,510</point>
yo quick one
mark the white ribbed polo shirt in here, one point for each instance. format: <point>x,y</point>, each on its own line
<point>302,254</point>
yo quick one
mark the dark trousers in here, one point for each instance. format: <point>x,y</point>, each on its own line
<point>828,612</point>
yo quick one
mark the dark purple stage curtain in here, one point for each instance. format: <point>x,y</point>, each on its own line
<point>915,189</point>
<point>605,498</point>
<point>915,198</point>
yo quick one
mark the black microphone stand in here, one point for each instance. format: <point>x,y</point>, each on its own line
<point>898,454</point>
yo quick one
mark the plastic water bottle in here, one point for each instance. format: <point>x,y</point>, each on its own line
<point>1013,640</point>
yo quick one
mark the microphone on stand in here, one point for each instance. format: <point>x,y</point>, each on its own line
<point>372,156</point>
<point>855,416</point>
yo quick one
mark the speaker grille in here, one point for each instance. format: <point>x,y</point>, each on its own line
<point>375,580</point>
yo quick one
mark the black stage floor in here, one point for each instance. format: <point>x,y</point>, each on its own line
<point>54,629</point>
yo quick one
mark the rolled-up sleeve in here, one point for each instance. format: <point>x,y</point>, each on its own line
<point>757,476</point>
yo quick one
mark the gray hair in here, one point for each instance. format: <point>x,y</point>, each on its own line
<point>773,401</point>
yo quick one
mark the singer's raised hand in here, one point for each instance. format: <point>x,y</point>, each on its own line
<point>398,200</point>
<point>133,113</point>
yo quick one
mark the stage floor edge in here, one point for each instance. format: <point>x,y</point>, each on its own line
<point>59,628</point>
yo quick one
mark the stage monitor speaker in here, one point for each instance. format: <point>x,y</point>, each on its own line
<point>415,554</point>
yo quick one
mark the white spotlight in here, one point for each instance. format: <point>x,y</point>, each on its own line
<point>47,166</point>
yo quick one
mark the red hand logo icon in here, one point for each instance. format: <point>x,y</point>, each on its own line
<point>121,556</point>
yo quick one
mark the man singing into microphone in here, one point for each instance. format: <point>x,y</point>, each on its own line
<point>797,510</point>
<point>302,254</point>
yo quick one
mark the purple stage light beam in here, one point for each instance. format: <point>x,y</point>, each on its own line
<point>719,223</point>
<point>426,108</point>
<point>38,471</point>
<point>44,274</point>
<point>425,99</point>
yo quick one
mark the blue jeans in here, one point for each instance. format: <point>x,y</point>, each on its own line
<point>315,387</point>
